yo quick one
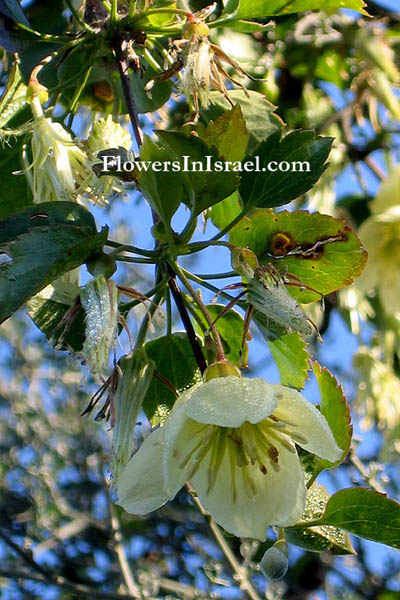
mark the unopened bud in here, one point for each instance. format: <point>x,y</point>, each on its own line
<point>101,264</point>
<point>37,90</point>
<point>194,26</point>
<point>222,368</point>
<point>99,298</point>
<point>244,261</point>
<point>275,561</point>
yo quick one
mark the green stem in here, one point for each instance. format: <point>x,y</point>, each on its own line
<point>106,5</point>
<point>198,246</point>
<point>208,286</point>
<point>77,16</point>
<point>132,249</point>
<point>230,226</point>
<point>114,13</point>
<point>44,37</point>
<point>139,261</point>
<point>79,90</point>
<point>163,11</point>
<point>197,298</point>
<point>142,333</point>
<point>157,289</point>
<point>220,22</point>
<point>169,312</point>
<point>162,30</point>
<point>217,275</point>
<point>132,8</point>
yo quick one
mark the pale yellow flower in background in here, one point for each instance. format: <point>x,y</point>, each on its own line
<point>235,440</point>
<point>378,396</point>
<point>380,235</point>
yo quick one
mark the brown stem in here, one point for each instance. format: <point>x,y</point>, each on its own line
<point>180,305</point>
<point>127,90</point>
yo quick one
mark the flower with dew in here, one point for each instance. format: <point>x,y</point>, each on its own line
<point>203,66</point>
<point>235,440</point>
<point>99,299</point>
<point>59,167</point>
<point>105,134</point>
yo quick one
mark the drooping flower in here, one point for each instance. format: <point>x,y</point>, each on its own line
<point>105,134</point>
<point>380,235</point>
<point>99,299</point>
<point>203,64</point>
<point>235,440</point>
<point>136,372</point>
<point>59,166</point>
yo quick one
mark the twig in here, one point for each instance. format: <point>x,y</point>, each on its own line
<point>126,88</point>
<point>356,462</point>
<point>80,591</point>
<point>196,297</point>
<point>180,305</point>
<point>240,571</point>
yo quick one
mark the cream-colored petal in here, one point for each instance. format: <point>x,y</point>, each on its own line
<point>370,234</point>
<point>230,401</point>
<point>389,289</point>
<point>140,486</point>
<point>308,423</point>
<point>279,498</point>
<point>180,438</point>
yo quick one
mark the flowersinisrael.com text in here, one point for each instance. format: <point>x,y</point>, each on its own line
<point>209,164</point>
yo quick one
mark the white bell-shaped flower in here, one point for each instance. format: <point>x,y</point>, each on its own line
<point>235,440</point>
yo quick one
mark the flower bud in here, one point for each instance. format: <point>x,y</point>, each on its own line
<point>376,51</point>
<point>36,89</point>
<point>101,264</point>
<point>222,368</point>
<point>275,561</point>
<point>99,298</point>
<point>194,26</point>
<point>137,372</point>
<point>244,261</point>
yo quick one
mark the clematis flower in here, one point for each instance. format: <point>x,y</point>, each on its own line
<point>235,440</point>
<point>380,235</point>
<point>203,64</point>
<point>59,166</point>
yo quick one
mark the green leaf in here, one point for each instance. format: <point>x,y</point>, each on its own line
<point>160,93</point>
<point>174,360</point>
<point>46,214</point>
<point>365,513</point>
<point>15,191</point>
<point>224,212</point>
<point>13,99</point>
<point>230,327</point>
<point>324,253</point>
<point>253,9</point>
<point>291,358</point>
<point>204,187</point>
<point>12,9</point>
<point>45,251</point>
<point>302,151</point>
<point>336,411</point>
<point>319,539</point>
<point>164,190</point>
<point>257,111</point>
<point>228,134</point>
<point>47,313</point>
